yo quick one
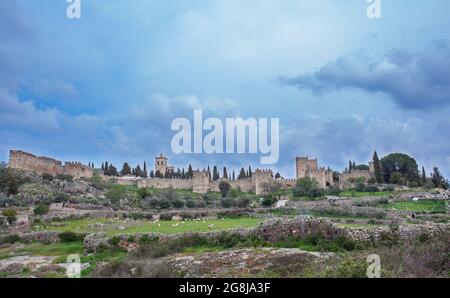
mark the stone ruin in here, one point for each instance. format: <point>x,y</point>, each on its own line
<point>41,165</point>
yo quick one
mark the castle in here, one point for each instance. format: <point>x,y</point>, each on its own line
<point>41,164</point>
<point>200,182</point>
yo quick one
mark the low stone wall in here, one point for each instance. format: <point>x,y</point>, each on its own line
<point>282,228</point>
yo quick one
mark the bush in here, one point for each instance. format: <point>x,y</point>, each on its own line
<point>227,202</point>
<point>333,190</point>
<point>70,237</point>
<point>61,198</point>
<point>47,177</point>
<point>178,203</point>
<point>11,239</point>
<point>40,210</point>
<point>243,202</point>
<point>269,201</point>
<point>166,217</point>
<point>10,214</point>
<point>64,177</point>
<point>307,187</point>
<point>190,204</point>
<point>225,188</point>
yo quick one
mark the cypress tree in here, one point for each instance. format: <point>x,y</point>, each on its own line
<point>225,173</point>
<point>190,172</point>
<point>126,169</point>
<point>424,176</point>
<point>144,171</point>
<point>249,172</point>
<point>234,177</point>
<point>377,168</point>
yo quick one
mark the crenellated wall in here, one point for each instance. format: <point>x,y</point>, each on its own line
<point>40,164</point>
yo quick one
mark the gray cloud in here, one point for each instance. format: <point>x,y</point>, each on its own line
<point>413,80</point>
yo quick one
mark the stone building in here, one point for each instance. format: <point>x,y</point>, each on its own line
<point>162,165</point>
<point>41,164</point>
<point>306,167</point>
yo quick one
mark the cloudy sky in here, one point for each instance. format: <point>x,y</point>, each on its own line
<point>107,86</point>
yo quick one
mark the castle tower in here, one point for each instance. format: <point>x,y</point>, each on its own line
<point>161,164</point>
<point>200,182</point>
<point>260,177</point>
<point>304,165</point>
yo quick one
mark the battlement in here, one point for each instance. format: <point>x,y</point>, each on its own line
<point>40,164</point>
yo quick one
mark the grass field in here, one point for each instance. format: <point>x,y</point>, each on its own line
<point>111,227</point>
<point>358,194</point>
<point>434,206</point>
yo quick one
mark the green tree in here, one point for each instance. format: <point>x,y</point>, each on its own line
<point>306,186</point>
<point>216,175</point>
<point>424,176</point>
<point>249,172</point>
<point>438,180</point>
<point>138,171</point>
<point>225,173</point>
<point>377,168</point>
<point>144,171</point>
<point>225,188</point>
<point>40,210</point>
<point>399,163</point>
<point>126,169</point>
<point>242,174</point>
<point>10,214</point>
<point>190,172</point>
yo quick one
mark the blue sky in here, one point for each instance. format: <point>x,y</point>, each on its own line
<point>107,86</point>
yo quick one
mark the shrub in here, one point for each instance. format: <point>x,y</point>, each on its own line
<point>178,203</point>
<point>61,197</point>
<point>333,190</point>
<point>225,188</point>
<point>64,177</point>
<point>11,239</point>
<point>190,204</point>
<point>269,201</point>
<point>40,210</point>
<point>243,202</point>
<point>307,187</point>
<point>47,177</point>
<point>69,237</point>
<point>166,217</point>
<point>10,214</point>
<point>227,202</point>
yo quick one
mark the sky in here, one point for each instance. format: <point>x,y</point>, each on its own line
<point>107,86</point>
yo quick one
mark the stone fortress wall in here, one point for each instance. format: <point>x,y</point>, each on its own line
<point>200,183</point>
<point>306,167</point>
<point>40,164</point>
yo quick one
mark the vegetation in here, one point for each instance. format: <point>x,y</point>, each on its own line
<point>40,210</point>
<point>430,206</point>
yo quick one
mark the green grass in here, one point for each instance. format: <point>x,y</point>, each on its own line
<point>165,227</point>
<point>358,194</point>
<point>432,206</point>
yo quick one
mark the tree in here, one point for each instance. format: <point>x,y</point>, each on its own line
<point>190,173</point>
<point>225,173</point>
<point>377,168</point>
<point>225,188</point>
<point>106,169</point>
<point>277,175</point>
<point>306,186</point>
<point>209,173</point>
<point>13,186</point>
<point>138,171</point>
<point>152,174</point>
<point>10,214</point>
<point>126,169</point>
<point>249,175</point>
<point>103,167</point>
<point>234,177</point>
<point>424,176</point>
<point>144,171</point>
<point>215,174</point>
<point>350,166</point>
<point>438,180</point>
<point>242,174</point>
<point>402,164</point>
<point>269,201</point>
<point>40,210</point>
